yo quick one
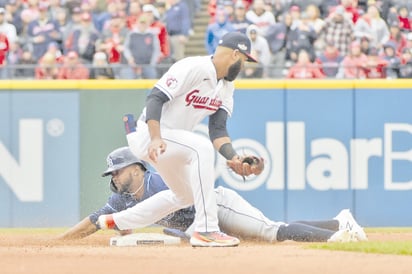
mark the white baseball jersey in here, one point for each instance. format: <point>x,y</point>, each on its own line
<point>194,93</point>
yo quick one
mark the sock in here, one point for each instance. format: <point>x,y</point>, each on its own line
<point>303,233</point>
<point>329,224</point>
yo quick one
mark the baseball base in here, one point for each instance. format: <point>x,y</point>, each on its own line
<point>137,239</point>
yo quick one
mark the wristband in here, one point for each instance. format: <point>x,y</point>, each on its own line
<point>227,151</point>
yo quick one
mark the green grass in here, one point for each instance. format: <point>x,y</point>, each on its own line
<point>378,247</point>
<point>396,248</point>
<point>388,230</point>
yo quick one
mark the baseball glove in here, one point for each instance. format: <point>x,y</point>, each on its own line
<point>247,165</point>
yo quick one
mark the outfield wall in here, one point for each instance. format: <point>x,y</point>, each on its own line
<point>329,145</point>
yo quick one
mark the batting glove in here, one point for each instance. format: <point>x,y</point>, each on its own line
<point>106,222</point>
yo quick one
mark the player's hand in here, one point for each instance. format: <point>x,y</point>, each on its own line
<point>238,167</point>
<point>245,166</point>
<point>156,147</point>
<point>106,222</point>
<point>257,165</point>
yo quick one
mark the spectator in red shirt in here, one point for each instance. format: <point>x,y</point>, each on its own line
<point>135,10</point>
<point>4,48</point>
<point>47,68</point>
<point>351,8</point>
<point>304,68</point>
<point>375,66</point>
<point>404,19</point>
<point>72,68</point>
<point>112,38</point>
<point>354,64</point>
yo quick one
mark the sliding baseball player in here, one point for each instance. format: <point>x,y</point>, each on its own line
<point>133,182</point>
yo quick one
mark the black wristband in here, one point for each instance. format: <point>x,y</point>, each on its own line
<point>227,151</point>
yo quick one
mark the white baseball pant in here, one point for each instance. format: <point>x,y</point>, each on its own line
<point>187,167</point>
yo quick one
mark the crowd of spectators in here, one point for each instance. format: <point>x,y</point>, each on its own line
<point>133,39</point>
<point>320,38</point>
<point>98,39</point>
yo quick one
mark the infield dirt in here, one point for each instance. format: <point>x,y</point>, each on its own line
<point>37,253</point>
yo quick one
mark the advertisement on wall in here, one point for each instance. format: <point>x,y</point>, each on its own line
<point>39,152</point>
<point>326,150</point>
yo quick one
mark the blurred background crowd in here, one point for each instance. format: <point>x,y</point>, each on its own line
<point>134,39</point>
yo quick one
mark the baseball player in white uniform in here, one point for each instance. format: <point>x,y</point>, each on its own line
<point>192,89</point>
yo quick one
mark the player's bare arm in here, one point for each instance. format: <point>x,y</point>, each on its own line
<point>154,105</point>
<point>157,145</point>
<point>83,229</point>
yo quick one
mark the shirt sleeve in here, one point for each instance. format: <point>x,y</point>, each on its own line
<point>227,97</point>
<point>115,203</point>
<point>181,77</point>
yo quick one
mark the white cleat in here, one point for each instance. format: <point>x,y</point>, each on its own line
<point>343,236</point>
<point>217,238</point>
<point>347,222</point>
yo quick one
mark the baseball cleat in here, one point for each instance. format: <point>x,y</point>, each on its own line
<point>343,236</point>
<point>129,123</point>
<point>213,239</point>
<point>346,221</point>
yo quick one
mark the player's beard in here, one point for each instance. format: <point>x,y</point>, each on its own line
<point>124,188</point>
<point>113,187</point>
<point>233,71</point>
